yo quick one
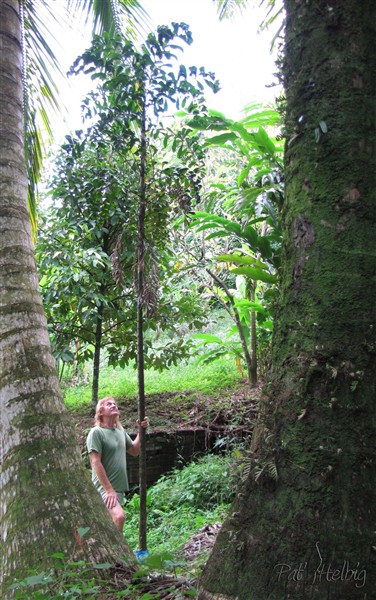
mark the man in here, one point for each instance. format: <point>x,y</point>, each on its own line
<point>107,445</point>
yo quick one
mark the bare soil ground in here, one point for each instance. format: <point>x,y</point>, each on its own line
<point>232,411</point>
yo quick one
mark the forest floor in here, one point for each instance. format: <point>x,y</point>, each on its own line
<point>231,414</point>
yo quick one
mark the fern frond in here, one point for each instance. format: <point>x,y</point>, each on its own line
<point>269,467</point>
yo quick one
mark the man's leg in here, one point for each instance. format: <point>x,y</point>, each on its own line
<point>118,516</point>
<point>117,513</point>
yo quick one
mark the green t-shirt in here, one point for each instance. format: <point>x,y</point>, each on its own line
<point>112,444</point>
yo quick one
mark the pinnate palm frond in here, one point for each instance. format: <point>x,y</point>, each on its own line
<point>275,15</point>
<point>275,10</point>
<point>34,164</point>
<point>226,9</point>
<point>110,15</point>
<point>40,68</point>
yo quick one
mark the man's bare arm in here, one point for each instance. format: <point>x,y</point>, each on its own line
<point>134,450</point>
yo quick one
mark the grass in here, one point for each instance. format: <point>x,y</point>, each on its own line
<point>206,378</point>
<point>187,376</point>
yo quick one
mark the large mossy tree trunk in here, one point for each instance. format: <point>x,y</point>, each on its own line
<point>46,495</point>
<point>303,523</point>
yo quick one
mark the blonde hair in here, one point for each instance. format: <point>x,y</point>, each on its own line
<point>98,418</point>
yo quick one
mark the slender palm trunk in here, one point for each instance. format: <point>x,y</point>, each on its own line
<point>45,491</point>
<point>97,355</point>
<point>140,331</point>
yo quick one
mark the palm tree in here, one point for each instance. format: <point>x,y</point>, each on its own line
<point>46,498</point>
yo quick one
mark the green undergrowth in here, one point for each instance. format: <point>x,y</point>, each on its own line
<point>187,376</point>
<point>181,503</point>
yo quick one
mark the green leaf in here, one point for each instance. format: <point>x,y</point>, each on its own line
<point>243,175</point>
<point>82,531</point>
<point>200,123</point>
<point>215,221</point>
<point>36,579</point>
<point>218,234</point>
<point>182,72</point>
<point>218,115</point>
<point>241,259</point>
<point>264,141</point>
<point>255,274</point>
<point>248,305</point>
<point>323,127</point>
<point>258,115</point>
<point>263,244</point>
<point>251,235</point>
<point>220,140</point>
<point>207,226</point>
<point>208,338</point>
<point>157,561</point>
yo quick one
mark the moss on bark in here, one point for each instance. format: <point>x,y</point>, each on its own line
<point>303,526</point>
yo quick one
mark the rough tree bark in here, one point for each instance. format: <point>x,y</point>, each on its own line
<point>303,523</point>
<point>45,491</point>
